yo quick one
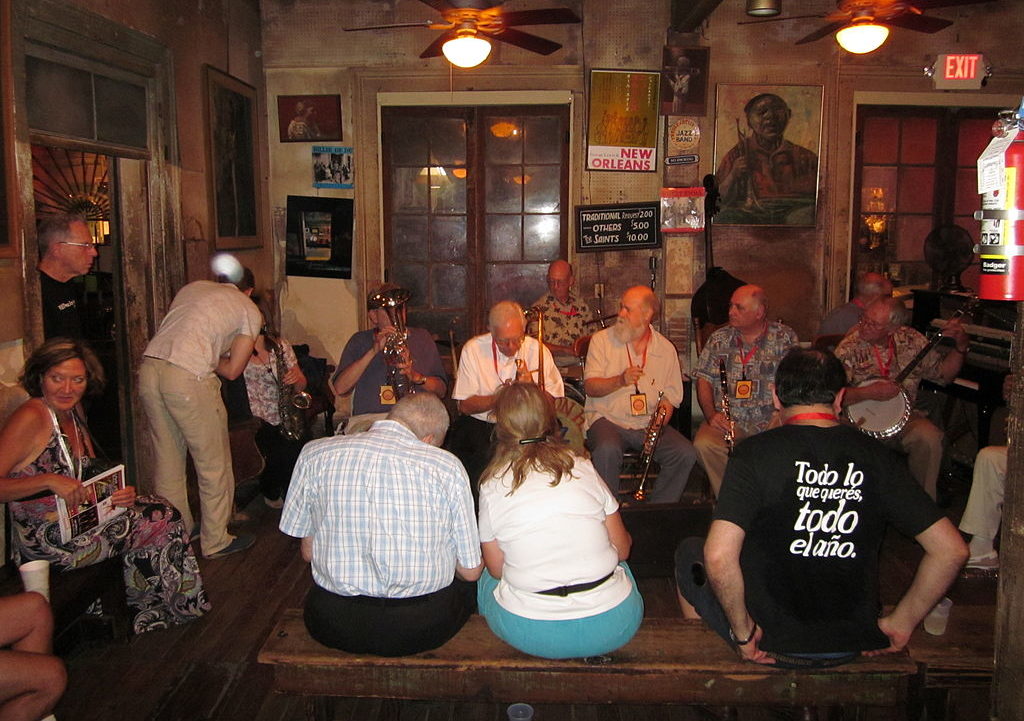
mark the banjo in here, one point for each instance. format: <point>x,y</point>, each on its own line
<point>884,419</point>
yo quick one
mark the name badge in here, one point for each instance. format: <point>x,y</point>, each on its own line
<point>638,404</point>
<point>387,396</point>
<point>744,389</point>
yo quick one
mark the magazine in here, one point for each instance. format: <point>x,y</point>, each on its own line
<point>96,510</point>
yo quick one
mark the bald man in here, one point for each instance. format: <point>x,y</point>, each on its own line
<point>751,347</point>
<point>870,287</point>
<point>566,315</point>
<point>502,356</point>
<point>628,364</point>
<point>66,251</point>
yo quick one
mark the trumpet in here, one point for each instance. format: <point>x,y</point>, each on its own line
<point>652,435</point>
<point>396,349</point>
<point>723,379</point>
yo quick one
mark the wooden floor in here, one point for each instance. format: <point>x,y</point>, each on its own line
<point>208,669</point>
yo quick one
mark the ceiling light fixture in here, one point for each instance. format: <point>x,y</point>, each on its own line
<point>764,8</point>
<point>466,50</point>
<point>861,36</point>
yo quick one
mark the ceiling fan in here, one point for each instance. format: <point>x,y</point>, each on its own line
<point>476,21</point>
<point>855,14</point>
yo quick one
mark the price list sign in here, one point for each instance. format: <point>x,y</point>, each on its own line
<point>622,226</point>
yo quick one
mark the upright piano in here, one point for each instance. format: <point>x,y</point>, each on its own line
<point>990,327</point>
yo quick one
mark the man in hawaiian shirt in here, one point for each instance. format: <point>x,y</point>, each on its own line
<point>566,315</point>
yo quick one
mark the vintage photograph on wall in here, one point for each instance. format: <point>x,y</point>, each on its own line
<point>684,81</point>
<point>309,118</point>
<point>622,131</point>
<point>332,167</point>
<point>318,237</point>
<point>230,129</point>
<point>767,140</point>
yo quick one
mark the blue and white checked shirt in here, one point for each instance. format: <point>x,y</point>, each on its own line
<point>389,515</point>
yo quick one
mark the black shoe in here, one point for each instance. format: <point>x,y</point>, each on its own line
<point>239,543</point>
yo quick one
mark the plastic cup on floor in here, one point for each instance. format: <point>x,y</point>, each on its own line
<point>520,712</point>
<point>35,576</point>
<point>935,622</point>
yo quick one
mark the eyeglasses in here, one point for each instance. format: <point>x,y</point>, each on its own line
<point>80,245</point>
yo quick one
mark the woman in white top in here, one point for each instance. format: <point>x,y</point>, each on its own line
<point>553,541</point>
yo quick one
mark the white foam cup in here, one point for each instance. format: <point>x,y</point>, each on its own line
<point>936,620</point>
<point>35,576</point>
<point>520,712</point>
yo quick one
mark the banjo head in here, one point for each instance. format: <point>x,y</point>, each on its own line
<point>880,419</point>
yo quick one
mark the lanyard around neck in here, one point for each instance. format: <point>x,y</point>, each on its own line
<point>811,417</point>
<point>62,443</point>
<point>494,359</point>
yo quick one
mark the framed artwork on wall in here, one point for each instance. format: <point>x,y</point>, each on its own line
<point>622,130</point>
<point>684,81</point>
<point>231,160</point>
<point>318,237</point>
<point>767,140</point>
<point>308,118</point>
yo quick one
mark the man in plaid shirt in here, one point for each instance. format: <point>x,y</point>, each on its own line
<point>386,519</point>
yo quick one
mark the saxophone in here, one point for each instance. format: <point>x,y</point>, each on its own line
<point>396,348</point>
<point>290,403</point>
<point>652,435</point>
<point>723,379</point>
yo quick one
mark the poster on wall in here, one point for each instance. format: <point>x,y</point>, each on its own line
<point>318,237</point>
<point>684,81</point>
<point>682,210</point>
<point>305,118</point>
<point>622,132</point>
<point>332,167</point>
<point>767,139</point>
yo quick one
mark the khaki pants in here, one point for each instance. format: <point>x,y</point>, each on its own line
<point>922,442</point>
<point>186,414</point>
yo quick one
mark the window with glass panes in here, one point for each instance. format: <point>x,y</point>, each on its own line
<point>475,208</point>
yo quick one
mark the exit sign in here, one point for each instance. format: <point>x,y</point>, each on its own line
<point>960,71</point>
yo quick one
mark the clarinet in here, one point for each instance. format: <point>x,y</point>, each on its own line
<point>723,379</point>
<point>651,437</point>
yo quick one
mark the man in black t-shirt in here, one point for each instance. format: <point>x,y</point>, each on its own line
<point>66,251</point>
<point>789,571</point>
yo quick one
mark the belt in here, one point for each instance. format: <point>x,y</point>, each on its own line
<point>576,587</point>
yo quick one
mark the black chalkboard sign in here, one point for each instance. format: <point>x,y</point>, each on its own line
<point>623,226</point>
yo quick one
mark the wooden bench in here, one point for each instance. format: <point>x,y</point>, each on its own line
<point>669,661</point>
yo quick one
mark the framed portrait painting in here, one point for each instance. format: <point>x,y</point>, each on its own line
<point>231,156</point>
<point>767,140</point>
<point>308,118</point>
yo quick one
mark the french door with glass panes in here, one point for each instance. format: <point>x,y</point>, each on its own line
<point>475,208</point>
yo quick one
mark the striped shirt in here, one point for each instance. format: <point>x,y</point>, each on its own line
<point>389,515</point>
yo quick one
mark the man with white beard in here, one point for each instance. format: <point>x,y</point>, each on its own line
<point>627,366</point>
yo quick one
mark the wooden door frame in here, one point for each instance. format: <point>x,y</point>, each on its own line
<point>153,264</point>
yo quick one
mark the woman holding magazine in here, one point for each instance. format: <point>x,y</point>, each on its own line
<point>46,452</point>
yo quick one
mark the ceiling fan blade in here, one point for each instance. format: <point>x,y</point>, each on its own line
<point>533,43</point>
<point>920,23</point>
<point>929,4</point>
<point>439,5</point>
<point>424,24</point>
<point>821,32</point>
<point>434,49</point>
<point>551,16</point>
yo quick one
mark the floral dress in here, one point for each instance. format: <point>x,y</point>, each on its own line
<point>161,576</point>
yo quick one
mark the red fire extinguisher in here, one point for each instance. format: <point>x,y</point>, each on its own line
<point>1001,249</point>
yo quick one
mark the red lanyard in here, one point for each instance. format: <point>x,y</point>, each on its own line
<point>745,357</point>
<point>812,417</point>
<point>883,368</point>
